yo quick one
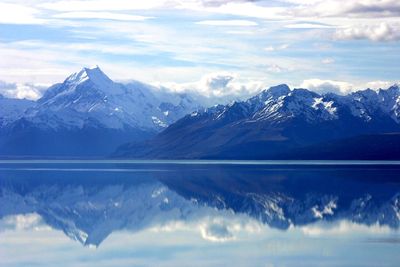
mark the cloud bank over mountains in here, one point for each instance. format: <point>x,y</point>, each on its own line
<point>214,88</point>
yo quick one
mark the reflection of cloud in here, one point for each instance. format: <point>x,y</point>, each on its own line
<point>217,230</point>
<point>216,233</point>
<point>342,227</point>
<point>213,225</point>
<point>30,222</point>
<point>147,248</point>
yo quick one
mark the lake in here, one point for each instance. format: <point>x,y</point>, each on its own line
<point>199,213</point>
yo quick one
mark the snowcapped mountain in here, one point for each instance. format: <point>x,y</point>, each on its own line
<point>89,114</point>
<point>12,108</point>
<point>89,96</point>
<point>276,120</point>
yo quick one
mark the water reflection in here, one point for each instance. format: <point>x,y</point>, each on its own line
<point>177,208</point>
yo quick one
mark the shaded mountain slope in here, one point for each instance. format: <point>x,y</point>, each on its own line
<point>273,123</point>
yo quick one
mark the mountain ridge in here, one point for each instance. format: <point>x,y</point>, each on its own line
<point>274,121</point>
<point>88,114</point>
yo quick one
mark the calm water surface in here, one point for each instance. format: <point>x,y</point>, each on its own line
<point>208,213</point>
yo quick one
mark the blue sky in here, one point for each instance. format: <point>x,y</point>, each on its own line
<point>242,46</point>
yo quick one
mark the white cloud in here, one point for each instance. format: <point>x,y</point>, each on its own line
<point>22,90</point>
<point>380,32</point>
<point>218,81</point>
<point>349,8</point>
<point>227,23</point>
<point>219,88</point>
<point>325,86</point>
<point>328,60</point>
<point>380,84</point>
<point>103,5</point>
<point>113,49</point>
<point>100,15</point>
<point>19,14</point>
<point>309,26</point>
<point>276,48</point>
<point>224,85</point>
<point>241,32</point>
<point>341,87</point>
<point>274,68</point>
<point>382,8</point>
<point>296,10</point>
<point>246,8</point>
<point>238,8</point>
<point>33,66</point>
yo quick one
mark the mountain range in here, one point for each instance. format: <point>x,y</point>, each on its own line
<point>87,115</point>
<point>280,123</point>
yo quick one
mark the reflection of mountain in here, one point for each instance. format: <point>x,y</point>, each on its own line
<point>281,197</point>
<point>89,214</point>
<point>89,210</point>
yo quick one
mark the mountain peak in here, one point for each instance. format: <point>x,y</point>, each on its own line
<point>273,92</point>
<point>94,74</point>
<point>394,87</point>
<point>392,91</point>
<point>279,90</point>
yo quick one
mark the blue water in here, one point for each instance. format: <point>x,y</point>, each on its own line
<point>199,213</point>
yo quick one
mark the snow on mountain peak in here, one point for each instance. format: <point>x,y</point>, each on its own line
<point>89,97</point>
<point>94,74</point>
<point>279,90</point>
<point>395,87</point>
<point>274,92</point>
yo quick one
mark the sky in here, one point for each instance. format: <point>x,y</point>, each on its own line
<point>214,47</point>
